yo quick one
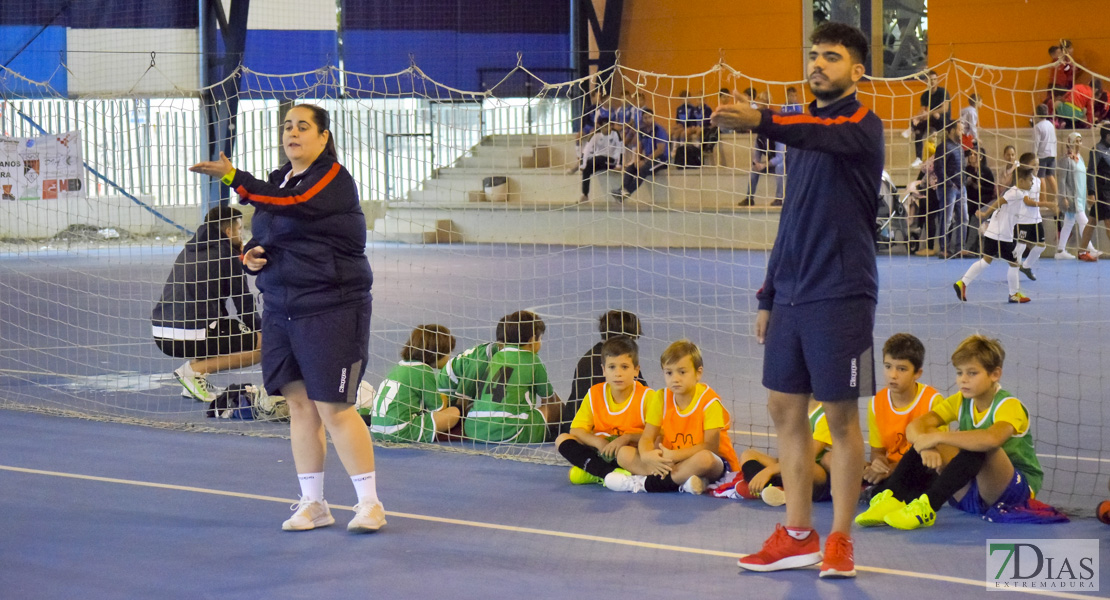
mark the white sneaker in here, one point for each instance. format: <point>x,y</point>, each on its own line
<point>309,514</point>
<point>625,482</point>
<point>773,495</point>
<point>906,133</point>
<point>196,386</point>
<point>1064,255</point>
<point>369,517</point>
<point>694,485</point>
<point>916,163</point>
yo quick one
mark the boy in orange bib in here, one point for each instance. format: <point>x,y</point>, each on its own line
<point>611,416</point>
<point>685,439</point>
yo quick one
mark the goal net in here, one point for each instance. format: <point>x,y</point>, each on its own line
<point>478,209</point>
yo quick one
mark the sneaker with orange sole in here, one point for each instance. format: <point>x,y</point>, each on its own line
<point>781,551</point>
<point>839,561</point>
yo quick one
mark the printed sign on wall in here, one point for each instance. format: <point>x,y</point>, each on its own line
<point>41,168</point>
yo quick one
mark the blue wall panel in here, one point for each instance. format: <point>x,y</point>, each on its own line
<point>451,58</point>
<point>41,60</point>
<point>282,52</point>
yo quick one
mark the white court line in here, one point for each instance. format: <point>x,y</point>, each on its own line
<point>1056,456</point>
<point>981,584</point>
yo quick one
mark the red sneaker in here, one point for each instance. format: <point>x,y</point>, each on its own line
<point>1087,257</point>
<point>781,551</point>
<point>839,560</point>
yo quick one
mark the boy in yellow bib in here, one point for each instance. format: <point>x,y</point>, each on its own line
<point>611,416</point>
<point>685,439</point>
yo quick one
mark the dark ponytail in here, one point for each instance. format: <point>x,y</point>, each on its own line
<point>323,123</point>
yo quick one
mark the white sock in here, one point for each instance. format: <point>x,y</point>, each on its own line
<point>974,271</point>
<point>1012,280</point>
<point>798,533</point>
<point>312,486</point>
<point>1019,250</point>
<point>1034,256</point>
<point>366,487</point>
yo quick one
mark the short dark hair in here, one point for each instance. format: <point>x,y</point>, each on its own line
<point>904,346</point>
<point>499,331</point>
<point>1103,130</point>
<point>750,93</point>
<point>601,122</point>
<point>1028,158</point>
<point>619,322</point>
<point>522,327</point>
<point>725,91</point>
<point>1025,172</point>
<point>1041,110</point>
<point>1053,49</point>
<point>791,89</point>
<point>845,35</point>
<point>619,345</point>
<point>428,344</point>
<point>973,98</point>
<point>950,124</point>
<point>222,215</point>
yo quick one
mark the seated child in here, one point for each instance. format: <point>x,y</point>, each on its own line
<point>408,408</point>
<point>987,460</point>
<point>685,439</point>
<point>895,406</point>
<point>610,418</point>
<point>462,376</point>
<point>517,402</point>
<point>760,471</point>
<point>590,370</point>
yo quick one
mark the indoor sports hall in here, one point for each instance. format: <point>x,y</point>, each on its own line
<point>462,124</point>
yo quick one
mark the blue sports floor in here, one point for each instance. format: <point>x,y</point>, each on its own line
<point>111,510</point>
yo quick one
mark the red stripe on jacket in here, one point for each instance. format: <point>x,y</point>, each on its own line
<point>803,118</point>
<point>299,198</point>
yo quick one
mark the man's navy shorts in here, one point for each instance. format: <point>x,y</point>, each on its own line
<point>327,351</point>
<point>823,348</point>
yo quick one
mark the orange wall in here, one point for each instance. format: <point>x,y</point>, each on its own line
<point>763,40</point>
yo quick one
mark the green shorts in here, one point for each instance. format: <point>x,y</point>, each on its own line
<point>524,428</point>
<point>422,428</point>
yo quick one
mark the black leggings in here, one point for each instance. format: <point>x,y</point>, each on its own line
<point>594,164</point>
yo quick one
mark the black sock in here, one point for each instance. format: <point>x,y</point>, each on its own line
<point>752,468</point>
<point>959,472</point>
<point>910,478</point>
<point>585,458</point>
<point>655,483</point>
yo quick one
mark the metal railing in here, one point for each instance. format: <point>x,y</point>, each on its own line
<point>144,147</point>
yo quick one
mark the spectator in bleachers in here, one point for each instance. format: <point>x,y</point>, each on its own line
<point>981,193</point>
<point>1007,170</point>
<point>970,116</point>
<point>1044,143</point>
<point>602,152</point>
<point>949,167</point>
<point>688,119</point>
<point>651,155</point>
<point>587,123</point>
<point>747,96</point>
<point>1101,103</point>
<point>931,117</point>
<point>1062,74</point>
<point>792,106</point>
<point>767,159</point>
<point>1076,108</point>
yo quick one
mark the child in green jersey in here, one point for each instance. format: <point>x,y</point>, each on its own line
<point>408,407</point>
<point>463,376</point>
<point>517,402</point>
<point>985,459</point>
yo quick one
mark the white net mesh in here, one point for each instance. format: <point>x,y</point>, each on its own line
<point>477,211</point>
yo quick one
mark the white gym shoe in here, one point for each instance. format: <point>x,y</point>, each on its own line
<point>773,495</point>
<point>1064,255</point>
<point>694,485</point>
<point>906,133</point>
<point>309,514</point>
<point>916,163</point>
<point>196,386</point>
<point>623,481</point>
<point>369,517</point>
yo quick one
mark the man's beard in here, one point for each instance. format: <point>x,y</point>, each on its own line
<point>828,94</point>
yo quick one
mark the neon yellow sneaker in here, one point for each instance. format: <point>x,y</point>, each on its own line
<point>918,513</point>
<point>881,505</point>
<point>579,477</point>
